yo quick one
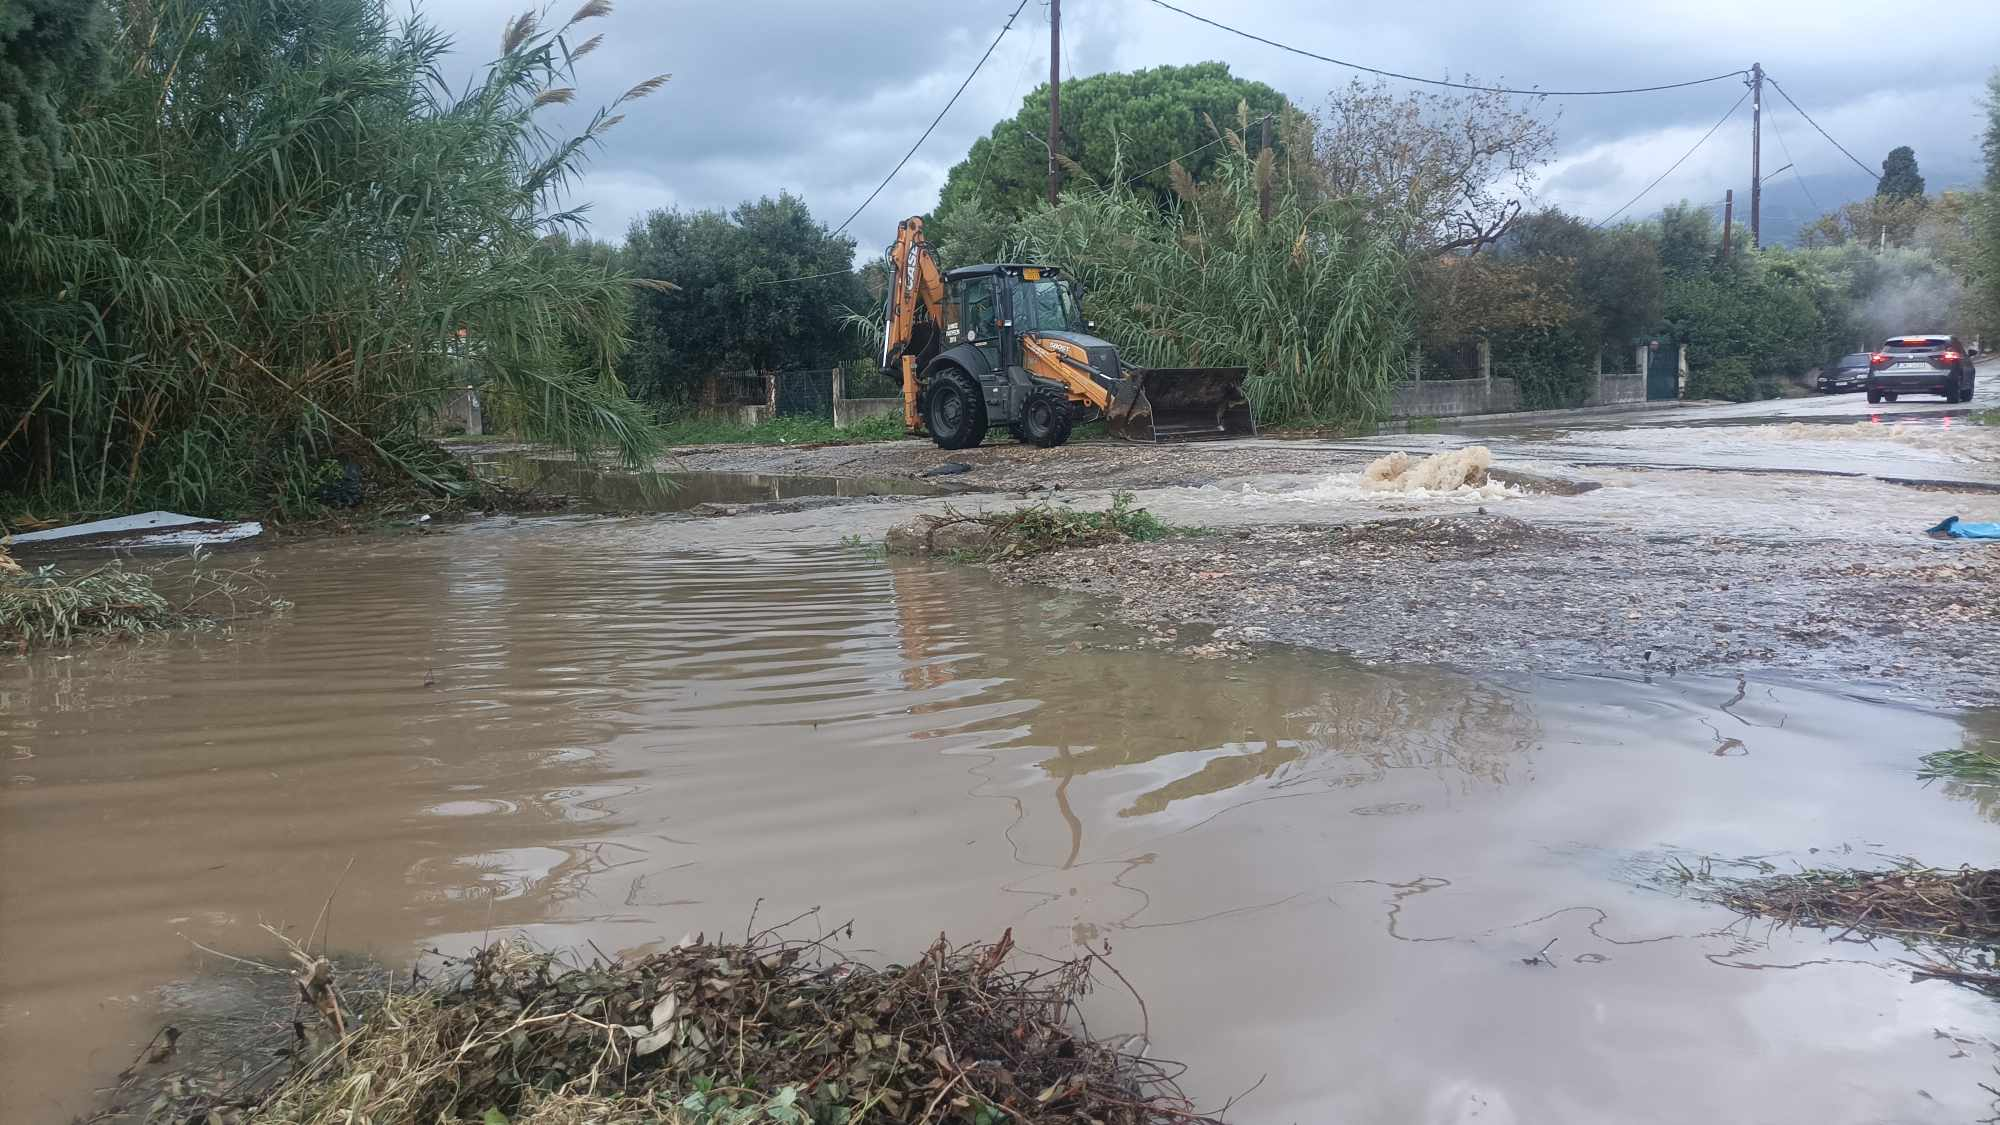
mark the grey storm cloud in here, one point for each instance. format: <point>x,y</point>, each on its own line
<point>822,97</point>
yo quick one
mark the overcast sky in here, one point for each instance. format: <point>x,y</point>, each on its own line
<point>822,97</point>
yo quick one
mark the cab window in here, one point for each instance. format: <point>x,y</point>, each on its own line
<point>977,314</point>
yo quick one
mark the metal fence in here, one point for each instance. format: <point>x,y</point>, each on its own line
<point>869,381</point>
<point>804,394</point>
<point>1452,361</point>
<point>744,388</point>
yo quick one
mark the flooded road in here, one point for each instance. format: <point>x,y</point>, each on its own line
<point>1320,875</point>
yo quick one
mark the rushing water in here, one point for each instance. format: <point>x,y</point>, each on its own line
<point>1321,876</point>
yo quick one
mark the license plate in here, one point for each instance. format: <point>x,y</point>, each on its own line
<point>1909,367</point>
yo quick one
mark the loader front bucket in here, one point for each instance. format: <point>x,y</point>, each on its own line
<point>1172,404</point>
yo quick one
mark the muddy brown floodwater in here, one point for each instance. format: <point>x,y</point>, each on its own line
<point>1323,876</point>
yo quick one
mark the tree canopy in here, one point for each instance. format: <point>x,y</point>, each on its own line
<point>1899,175</point>
<point>1984,228</point>
<point>48,51</point>
<point>1126,125</point>
<point>1442,171</point>
<point>732,305</point>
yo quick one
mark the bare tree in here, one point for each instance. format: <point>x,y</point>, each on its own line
<point>1446,169</point>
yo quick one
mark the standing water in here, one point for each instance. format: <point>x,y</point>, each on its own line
<point>1325,878</point>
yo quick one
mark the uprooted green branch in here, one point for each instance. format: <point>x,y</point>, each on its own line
<point>1026,531</point>
<point>50,607</point>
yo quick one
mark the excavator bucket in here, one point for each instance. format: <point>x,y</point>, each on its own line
<point>1174,404</point>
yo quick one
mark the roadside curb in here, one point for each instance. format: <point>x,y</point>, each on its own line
<point>1405,425</point>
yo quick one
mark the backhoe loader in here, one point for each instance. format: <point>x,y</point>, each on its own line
<point>1006,344</point>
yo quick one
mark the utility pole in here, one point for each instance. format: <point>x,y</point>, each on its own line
<point>1756,155</point>
<point>1055,95</point>
<point>1728,218</point>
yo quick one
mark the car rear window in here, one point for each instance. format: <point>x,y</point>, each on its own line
<point>1914,343</point>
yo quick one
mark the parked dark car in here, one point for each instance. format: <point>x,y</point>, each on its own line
<point>1850,374</point>
<point>1920,365</point>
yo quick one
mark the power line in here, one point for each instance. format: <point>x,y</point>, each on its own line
<point>935,120</point>
<point>808,277</point>
<point>1794,165</point>
<point>1440,81</point>
<point>1675,164</point>
<point>1815,124</point>
<point>1195,152</point>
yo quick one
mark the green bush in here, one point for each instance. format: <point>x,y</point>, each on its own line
<point>1554,367</point>
<point>277,232</point>
<point>1729,378</point>
<point>1311,300</point>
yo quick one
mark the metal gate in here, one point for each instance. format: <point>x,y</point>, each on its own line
<point>805,394</point>
<point>1663,371</point>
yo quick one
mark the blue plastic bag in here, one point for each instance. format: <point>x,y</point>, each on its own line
<point>1955,528</point>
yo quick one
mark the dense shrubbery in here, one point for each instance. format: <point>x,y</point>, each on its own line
<point>274,240</point>
<point>1247,270</point>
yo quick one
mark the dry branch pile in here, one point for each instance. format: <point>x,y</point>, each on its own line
<point>1920,904</point>
<point>720,1032</point>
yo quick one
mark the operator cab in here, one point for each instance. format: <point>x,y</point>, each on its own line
<point>982,300</point>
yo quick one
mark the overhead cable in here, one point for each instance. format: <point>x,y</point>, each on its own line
<point>1440,81</point>
<point>1675,164</point>
<point>934,121</point>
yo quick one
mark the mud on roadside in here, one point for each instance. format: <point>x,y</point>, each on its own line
<point>1007,466</point>
<point>1489,592</point>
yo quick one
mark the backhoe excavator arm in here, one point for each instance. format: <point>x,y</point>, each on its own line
<point>1068,364</point>
<point>915,309</point>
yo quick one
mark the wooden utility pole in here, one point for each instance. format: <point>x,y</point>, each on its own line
<point>1756,155</point>
<point>1055,95</point>
<point>1728,218</point>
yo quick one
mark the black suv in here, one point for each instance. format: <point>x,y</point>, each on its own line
<point>1921,365</point>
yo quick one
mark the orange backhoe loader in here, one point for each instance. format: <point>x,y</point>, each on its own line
<point>1006,344</point>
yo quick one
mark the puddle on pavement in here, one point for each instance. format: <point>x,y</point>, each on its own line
<point>617,490</point>
<point>1316,872</point>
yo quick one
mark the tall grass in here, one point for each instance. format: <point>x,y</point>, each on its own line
<point>280,240</point>
<point>1254,268</point>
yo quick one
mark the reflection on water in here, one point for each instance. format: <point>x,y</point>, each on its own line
<point>625,737</point>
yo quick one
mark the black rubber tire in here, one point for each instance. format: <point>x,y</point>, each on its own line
<point>1045,419</point>
<point>1888,398</point>
<point>1874,396</point>
<point>954,413</point>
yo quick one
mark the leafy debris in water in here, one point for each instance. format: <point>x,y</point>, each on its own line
<point>711,1031</point>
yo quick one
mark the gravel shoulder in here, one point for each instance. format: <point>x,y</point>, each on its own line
<point>1489,592</point>
<point>1792,562</point>
<point>1007,466</point>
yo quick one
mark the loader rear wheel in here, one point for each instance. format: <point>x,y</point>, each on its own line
<point>953,410</point>
<point>1045,418</point>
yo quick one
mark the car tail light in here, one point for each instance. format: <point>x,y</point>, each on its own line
<point>1877,359</point>
<point>1947,357</point>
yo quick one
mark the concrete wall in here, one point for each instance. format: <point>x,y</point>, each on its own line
<point>1613,389</point>
<point>847,411</point>
<point>721,401</point>
<point>741,415</point>
<point>1449,398</point>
